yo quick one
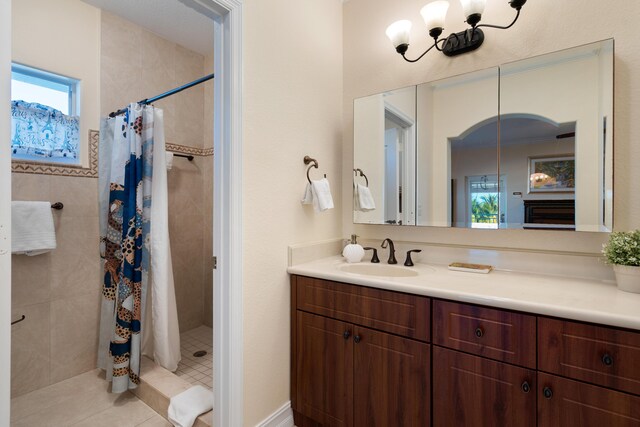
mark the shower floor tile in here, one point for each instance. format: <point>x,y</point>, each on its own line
<point>197,370</point>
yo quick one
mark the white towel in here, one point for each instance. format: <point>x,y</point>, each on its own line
<point>169,160</point>
<point>321,191</point>
<point>307,197</point>
<point>185,407</point>
<point>32,230</point>
<point>363,198</point>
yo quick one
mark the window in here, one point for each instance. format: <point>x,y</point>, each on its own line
<point>483,200</point>
<point>44,121</point>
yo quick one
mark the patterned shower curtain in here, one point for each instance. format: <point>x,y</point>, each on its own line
<point>126,159</point>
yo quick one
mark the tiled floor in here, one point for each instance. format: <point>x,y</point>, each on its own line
<point>83,400</point>
<point>197,370</point>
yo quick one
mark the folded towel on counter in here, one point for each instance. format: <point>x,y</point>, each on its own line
<point>32,230</point>
<point>185,407</point>
<point>363,200</point>
<point>321,191</point>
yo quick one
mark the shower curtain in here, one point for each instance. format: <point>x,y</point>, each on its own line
<point>139,314</point>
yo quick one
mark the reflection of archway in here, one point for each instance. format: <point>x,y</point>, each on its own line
<point>497,151</point>
<point>546,127</point>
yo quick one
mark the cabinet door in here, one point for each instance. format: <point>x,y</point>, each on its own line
<point>567,403</point>
<point>324,370</point>
<point>473,391</point>
<point>391,380</point>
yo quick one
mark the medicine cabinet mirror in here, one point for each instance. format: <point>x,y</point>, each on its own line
<point>526,145</point>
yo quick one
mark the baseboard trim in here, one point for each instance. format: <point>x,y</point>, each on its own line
<point>283,417</point>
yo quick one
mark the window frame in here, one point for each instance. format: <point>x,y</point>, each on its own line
<point>33,75</point>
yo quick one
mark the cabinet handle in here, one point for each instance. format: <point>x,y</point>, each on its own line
<point>526,387</point>
<point>357,339</point>
<point>607,359</point>
<point>346,335</point>
<point>479,332</point>
<point>547,392</point>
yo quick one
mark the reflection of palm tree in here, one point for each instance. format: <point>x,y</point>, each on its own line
<point>485,208</point>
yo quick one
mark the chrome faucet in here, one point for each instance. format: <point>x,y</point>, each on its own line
<point>392,250</point>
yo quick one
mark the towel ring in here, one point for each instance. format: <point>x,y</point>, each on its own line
<point>362,175</point>
<point>308,160</point>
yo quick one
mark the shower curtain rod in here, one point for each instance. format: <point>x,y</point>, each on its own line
<point>164,95</point>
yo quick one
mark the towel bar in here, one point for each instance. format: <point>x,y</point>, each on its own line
<point>57,206</point>
<point>361,174</point>
<point>186,156</point>
<point>19,320</point>
<point>308,160</point>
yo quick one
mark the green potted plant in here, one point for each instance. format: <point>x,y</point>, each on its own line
<point>623,252</point>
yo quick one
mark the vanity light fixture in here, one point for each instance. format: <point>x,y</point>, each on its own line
<point>434,14</point>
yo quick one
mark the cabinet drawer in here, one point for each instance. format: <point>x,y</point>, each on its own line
<point>597,354</point>
<point>472,391</point>
<point>564,403</point>
<point>394,312</point>
<point>496,334</point>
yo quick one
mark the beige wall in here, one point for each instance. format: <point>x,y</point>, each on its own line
<point>163,65</point>
<point>58,291</point>
<point>62,37</point>
<point>292,107</point>
<point>371,65</point>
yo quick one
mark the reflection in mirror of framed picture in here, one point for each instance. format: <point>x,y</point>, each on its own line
<point>552,174</point>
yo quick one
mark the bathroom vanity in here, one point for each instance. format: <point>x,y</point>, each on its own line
<point>446,348</point>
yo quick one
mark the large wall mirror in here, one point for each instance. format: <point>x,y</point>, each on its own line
<point>526,145</point>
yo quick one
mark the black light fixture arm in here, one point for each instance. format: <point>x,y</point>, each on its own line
<point>435,44</point>
<point>498,26</point>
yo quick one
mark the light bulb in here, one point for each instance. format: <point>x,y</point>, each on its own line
<point>473,7</point>
<point>398,32</point>
<point>434,14</point>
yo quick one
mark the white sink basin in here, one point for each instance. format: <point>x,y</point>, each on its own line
<point>382,270</point>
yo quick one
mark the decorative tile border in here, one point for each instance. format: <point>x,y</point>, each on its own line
<point>20,166</point>
<point>184,149</point>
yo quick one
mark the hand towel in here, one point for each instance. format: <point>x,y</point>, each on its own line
<point>32,230</point>
<point>307,197</point>
<point>185,407</point>
<point>321,191</point>
<point>364,198</point>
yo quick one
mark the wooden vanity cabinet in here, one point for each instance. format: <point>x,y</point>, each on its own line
<point>347,374</point>
<point>479,389</point>
<point>565,403</point>
<point>473,391</point>
<point>363,357</point>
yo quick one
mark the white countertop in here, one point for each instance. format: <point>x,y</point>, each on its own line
<point>578,299</point>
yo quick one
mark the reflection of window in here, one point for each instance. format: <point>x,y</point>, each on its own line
<point>483,198</point>
<point>43,121</point>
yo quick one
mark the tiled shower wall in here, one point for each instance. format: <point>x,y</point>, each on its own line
<point>59,292</point>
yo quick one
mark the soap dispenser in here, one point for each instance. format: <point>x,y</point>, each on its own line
<point>353,252</point>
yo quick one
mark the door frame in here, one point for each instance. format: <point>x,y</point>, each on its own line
<point>5,210</point>
<point>228,380</point>
<point>227,309</point>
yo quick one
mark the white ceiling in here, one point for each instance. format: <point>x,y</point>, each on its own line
<point>170,19</point>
